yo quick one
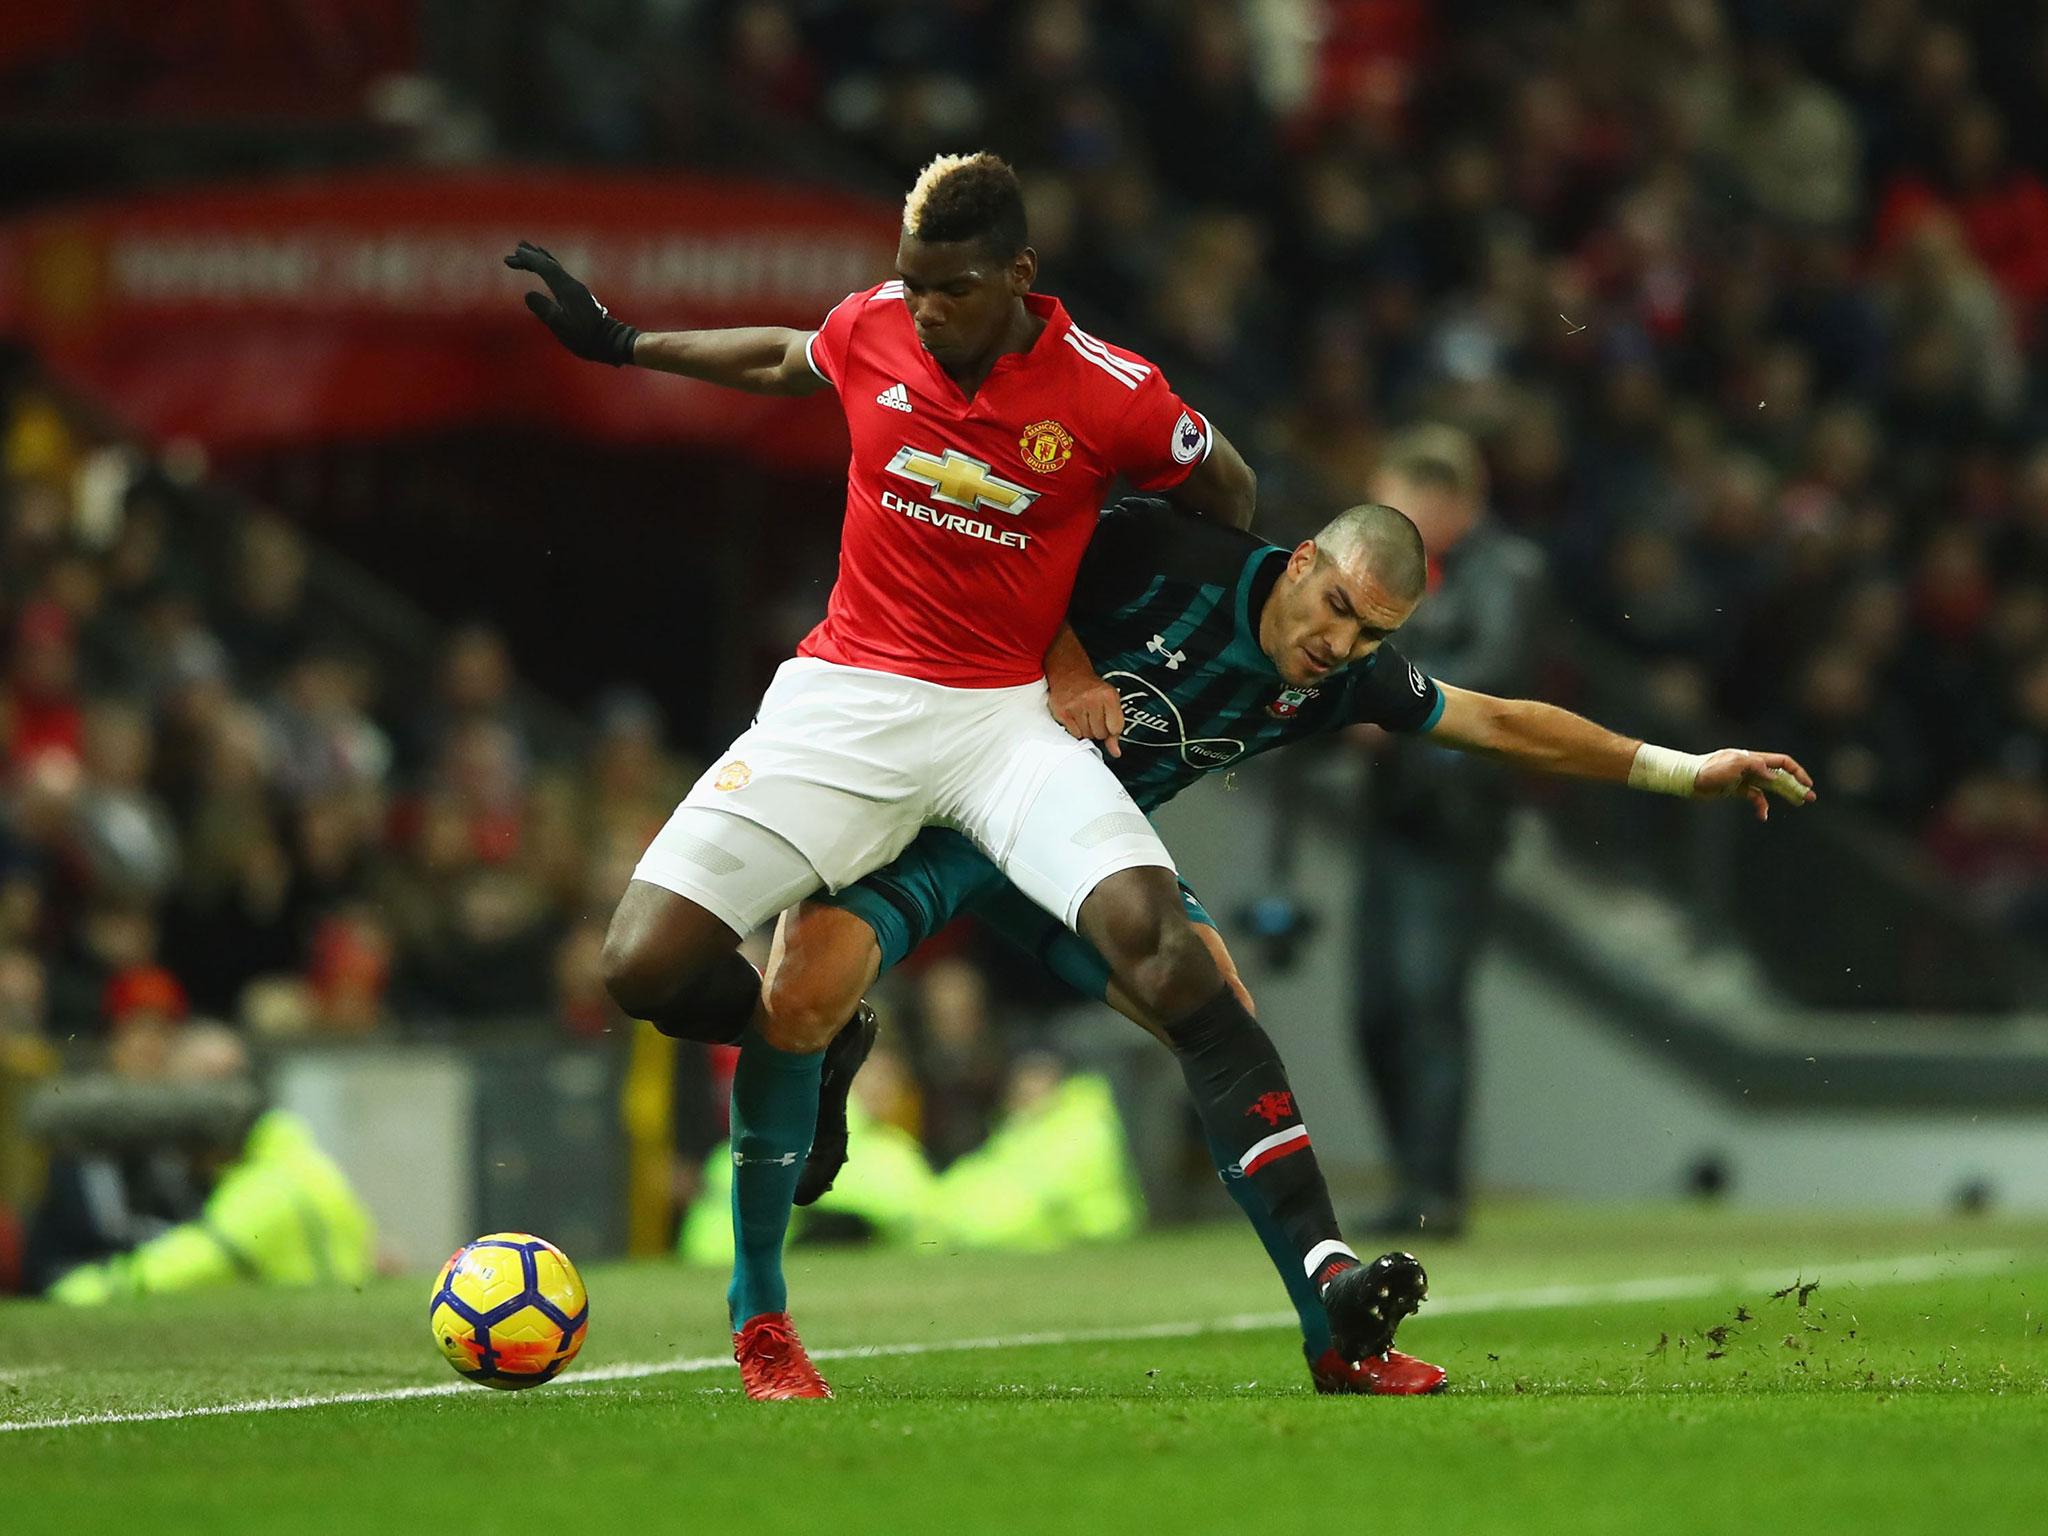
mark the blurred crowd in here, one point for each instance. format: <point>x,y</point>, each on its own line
<point>226,817</point>
<point>216,799</point>
<point>1743,300</point>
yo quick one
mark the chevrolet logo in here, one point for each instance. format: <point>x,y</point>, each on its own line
<point>961,481</point>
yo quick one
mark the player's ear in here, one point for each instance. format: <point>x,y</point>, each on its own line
<point>1023,272</point>
<point>1303,558</point>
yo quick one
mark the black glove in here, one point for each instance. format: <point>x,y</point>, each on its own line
<point>579,322</point>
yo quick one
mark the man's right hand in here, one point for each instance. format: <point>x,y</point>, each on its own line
<point>579,322</point>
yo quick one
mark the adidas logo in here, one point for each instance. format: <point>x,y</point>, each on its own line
<point>896,397</point>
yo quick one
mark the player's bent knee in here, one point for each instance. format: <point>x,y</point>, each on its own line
<point>1130,915</point>
<point>655,947</point>
<point>823,959</point>
<point>1136,922</point>
<point>798,1021</point>
<point>637,980</point>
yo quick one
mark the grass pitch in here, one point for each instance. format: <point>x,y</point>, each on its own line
<point>1620,1371</point>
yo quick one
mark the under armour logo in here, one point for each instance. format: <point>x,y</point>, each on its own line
<point>896,397</point>
<point>1273,1107</point>
<point>1157,646</point>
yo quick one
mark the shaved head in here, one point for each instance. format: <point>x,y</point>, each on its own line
<point>1378,542</point>
<point>1343,593</point>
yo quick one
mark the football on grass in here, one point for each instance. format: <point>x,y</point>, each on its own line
<point>509,1310</point>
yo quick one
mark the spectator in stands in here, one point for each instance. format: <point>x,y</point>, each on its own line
<point>2022,732</point>
<point>491,954</point>
<point>473,685</point>
<point>1792,140</point>
<point>124,833</point>
<point>1435,828</point>
<point>111,950</point>
<point>349,972</point>
<point>45,713</point>
<point>1956,361</point>
<point>263,621</point>
<point>583,1008</point>
<point>24,1001</point>
<point>326,742</point>
<point>2002,208</point>
<point>1852,736</point>
<point>1991,836</point>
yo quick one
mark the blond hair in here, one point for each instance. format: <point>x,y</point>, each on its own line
<point>967,197</point>
<point>927,183</point>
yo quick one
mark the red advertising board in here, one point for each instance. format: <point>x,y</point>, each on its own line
<point>375,305</point>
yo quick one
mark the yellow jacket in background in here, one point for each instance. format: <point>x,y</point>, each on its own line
<point>282,1214</point>
<point>1053,1174</point>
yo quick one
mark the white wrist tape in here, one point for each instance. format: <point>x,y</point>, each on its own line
<point>1663,771</point>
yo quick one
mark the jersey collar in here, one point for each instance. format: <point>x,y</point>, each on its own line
<point>1255,583</point>
<point>1057,323</point>
<point>1049,309</point>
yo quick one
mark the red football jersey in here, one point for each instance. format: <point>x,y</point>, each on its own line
<point>966,519</point>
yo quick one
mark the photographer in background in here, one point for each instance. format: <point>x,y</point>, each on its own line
<point>1436,824</point>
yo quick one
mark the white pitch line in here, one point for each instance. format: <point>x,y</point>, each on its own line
<point>1904,1270</point>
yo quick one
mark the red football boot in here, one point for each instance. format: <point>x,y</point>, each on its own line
<point>773,1365</point>
<point>1390,1375</point>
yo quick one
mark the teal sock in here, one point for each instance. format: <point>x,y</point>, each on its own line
<point>774,1115</point>
<point>1308,1306</point>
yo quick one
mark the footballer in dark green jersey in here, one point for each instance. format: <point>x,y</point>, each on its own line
<point>1192,647</point>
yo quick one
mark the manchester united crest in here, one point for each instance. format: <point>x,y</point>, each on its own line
<point>734,775</point>
<point>1046,446</point>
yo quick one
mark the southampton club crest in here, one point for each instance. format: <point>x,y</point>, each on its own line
<point>1289,703</point>
<point>1046,446</point>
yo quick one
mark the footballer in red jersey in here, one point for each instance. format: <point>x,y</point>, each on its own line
<point>1000,489</point>
<point>986,429</point>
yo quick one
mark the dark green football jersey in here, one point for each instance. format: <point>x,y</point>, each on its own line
<point>1167,605</point>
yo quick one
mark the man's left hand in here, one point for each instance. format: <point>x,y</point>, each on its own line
<point>1755,776</point>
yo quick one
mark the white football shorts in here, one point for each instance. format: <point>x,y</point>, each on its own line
<point>843,766</point>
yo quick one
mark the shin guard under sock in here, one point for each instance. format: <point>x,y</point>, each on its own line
<point>1302,1291</point>
<point>1241,1092</point>
<point>774,1114</point>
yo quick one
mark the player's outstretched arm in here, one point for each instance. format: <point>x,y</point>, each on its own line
<point>1222,486</point>
<point>1547,739</point>
<point>764,360</point>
